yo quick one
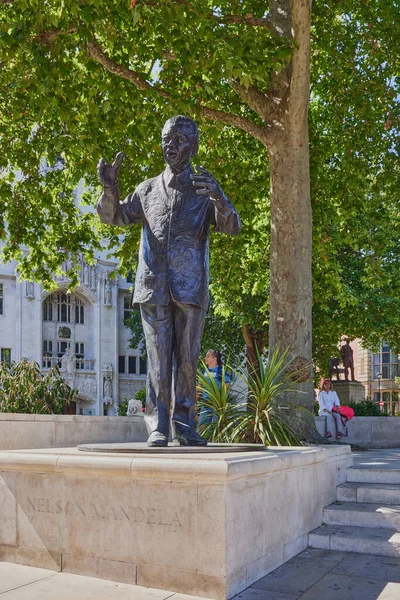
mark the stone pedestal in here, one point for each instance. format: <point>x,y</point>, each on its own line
<point>202,524</point>
<point>349,391</point>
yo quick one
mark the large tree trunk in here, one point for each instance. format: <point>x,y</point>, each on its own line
<point>291,218</point>
<point>291,230</point>
<point>291,285</point>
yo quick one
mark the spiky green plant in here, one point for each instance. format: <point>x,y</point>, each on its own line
<point>264,421</point>
<point>221,404</point>
<point>254,415</point>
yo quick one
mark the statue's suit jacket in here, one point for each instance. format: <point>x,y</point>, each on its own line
<point>174,247</point>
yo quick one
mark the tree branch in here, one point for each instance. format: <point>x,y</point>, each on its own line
<point>100,57</point>
<point>47,37</point>
<point>237,121</point>
<point>248,20</point>
<point>253,97</point>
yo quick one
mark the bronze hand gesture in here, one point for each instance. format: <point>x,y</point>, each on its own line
<point>206,184</point>
<point>108,174</point>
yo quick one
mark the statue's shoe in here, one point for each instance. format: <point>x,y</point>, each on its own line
<point>156,439</point>
<point>191,438</point>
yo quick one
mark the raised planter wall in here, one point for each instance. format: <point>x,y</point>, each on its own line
<point>369,432</point>
<point>20,431</point>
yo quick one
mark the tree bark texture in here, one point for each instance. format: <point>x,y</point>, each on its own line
<point>291,219</point>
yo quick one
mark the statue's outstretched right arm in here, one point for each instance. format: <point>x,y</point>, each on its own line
<point>109,207</point>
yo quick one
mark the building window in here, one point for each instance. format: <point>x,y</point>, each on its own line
<point>143,365</point>
<point>64,308</point>
<point>48,309</point>
<point>121,364</point>
<point>1,298</point>
<point>362,366</point>
<point>386,364</point>
<point>132,364</point>
<point>47,354</point>
<point>47,347</point>
<point>79,311</point>
<point>6,355</point>
<point>130,276</point>
<point>79,349</point>
<point>62,348</point>
<point>127,307</point>
<point>80,355</point>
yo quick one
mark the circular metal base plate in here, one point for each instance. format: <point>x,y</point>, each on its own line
<point>142,448</point>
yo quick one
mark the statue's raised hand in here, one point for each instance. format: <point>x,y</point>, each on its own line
<point>108,174</point>
<point>206,184</point>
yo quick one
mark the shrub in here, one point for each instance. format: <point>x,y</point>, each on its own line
<point>25,389</point>
<point>141,395</point>
<point>123,407</point>
<point>366,408</point>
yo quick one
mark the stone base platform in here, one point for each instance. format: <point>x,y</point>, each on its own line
<point>206,524</point>
<point>349,391</point>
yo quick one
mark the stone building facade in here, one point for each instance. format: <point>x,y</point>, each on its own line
<point>378,370</point>
<point>82,332</point>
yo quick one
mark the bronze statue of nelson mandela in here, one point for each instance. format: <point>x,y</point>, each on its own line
<point>176,210</point>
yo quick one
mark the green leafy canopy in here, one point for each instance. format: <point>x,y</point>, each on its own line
<point>61,98</point>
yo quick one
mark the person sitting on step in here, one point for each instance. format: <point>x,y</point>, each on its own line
<point>327,399</point>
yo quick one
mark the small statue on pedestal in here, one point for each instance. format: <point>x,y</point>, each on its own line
<point>346,353</point>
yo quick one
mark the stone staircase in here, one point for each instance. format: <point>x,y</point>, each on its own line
<point>366,515</point>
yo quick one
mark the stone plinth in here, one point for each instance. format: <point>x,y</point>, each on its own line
<point>201,524</point>
<point>349,391</point>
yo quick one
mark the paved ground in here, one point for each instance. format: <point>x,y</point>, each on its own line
<point>312,575</point>
<point>377,459</point>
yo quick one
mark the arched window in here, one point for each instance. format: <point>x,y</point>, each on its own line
<point>79,311</point>
<point>64,308</point>
<point>48,309</point>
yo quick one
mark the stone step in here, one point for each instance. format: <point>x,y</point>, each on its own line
<point>358,514</point>
<point>363,540</point>
<point>386,493</point>
<point>375,475</point>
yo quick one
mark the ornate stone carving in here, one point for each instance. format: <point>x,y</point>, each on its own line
<point>108,373</point>
<point>64,332</point>
<point>29,290</point>
<point>68,361</point>
<point>107,293</point>
<point>134,408</point>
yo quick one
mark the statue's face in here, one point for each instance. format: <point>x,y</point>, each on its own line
<point>178,145</point>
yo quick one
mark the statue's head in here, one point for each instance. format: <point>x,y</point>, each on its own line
<point>180,141</point>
